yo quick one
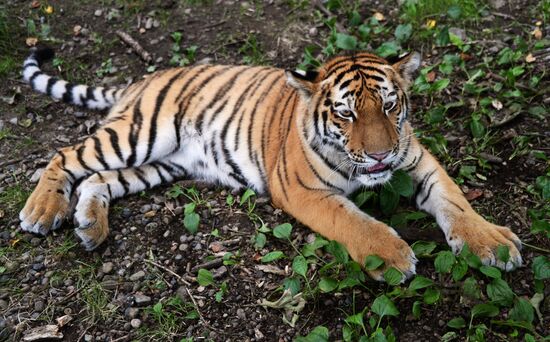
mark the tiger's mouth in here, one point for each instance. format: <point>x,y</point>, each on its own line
<point>377,168</point>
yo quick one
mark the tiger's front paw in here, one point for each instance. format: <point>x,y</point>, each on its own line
<point>483,239</point>
<point>45,209</point>
<point>91,221</point>
<point>384,242</point>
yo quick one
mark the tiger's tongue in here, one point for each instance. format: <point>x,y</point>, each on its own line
<point>377,167</point>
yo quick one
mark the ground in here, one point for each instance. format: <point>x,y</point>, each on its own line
<point>480,103</point>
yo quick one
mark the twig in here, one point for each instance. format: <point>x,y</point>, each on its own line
<point>180,278</point>
<point>142,53</point>
<point>327,13</point>
<point>536,248</point>
<point>10,161</point>
<point>503,15</point>
<point>215,24</point>
<point>201,318</point>
<point>502,79</point>
<point>208,265</point>
<point>121,338</point>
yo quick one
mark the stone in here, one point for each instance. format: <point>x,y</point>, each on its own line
<point>142,299</point>
<point>135,323</point>
<point>107,267</point>
<point>137,276</point>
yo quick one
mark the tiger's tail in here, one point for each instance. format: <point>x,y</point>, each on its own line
<point>76,94</point>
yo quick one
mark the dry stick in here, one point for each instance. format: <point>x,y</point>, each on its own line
<point>208,265</point>
<point>327,13</point>
<point>180,278</point>
<point>126,38</point>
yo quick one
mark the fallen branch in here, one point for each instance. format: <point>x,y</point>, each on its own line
<point>142,53</point>
<point>208,265</point>
<point>327,13</point>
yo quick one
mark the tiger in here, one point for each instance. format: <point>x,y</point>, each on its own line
<point>308,139</point>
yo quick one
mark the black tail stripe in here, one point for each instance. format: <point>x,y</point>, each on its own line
<point>140,175</point>
<point>79,153</point>
<point>51,82</point>
<point>123,182</point>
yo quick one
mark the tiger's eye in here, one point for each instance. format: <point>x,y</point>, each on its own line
<point>345,112</point>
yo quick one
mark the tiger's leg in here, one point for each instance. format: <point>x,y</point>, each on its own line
<point>438,195</point>
<point>117,145</point>
<point>95,193</point>
<point>337,218</point>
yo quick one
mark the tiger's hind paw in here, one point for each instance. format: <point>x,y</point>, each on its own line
<point>45,210</point>
<point>92,223</point>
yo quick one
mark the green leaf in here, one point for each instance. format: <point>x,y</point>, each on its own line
<point>454,11</point>
<point>470,288</point>
<point>230,200</point>
<point>503,253</point>
<point>345,41</point>
<point>372,262</point>
<point>272,256</point>
<point>459,270</point>
<point>247,194</point>
<point>403,32</point>
<point>189,208</point>
<point>356,319</point>
<point>327,284</point>
<point>293,284</point>
<point>423,248</point>
<point>259,241</point>
<point>205,277</point>
<point>191,222</point>
<point>157,308</point>
<point>393,276</point>
<point>490,271</point>
<point>444,261</point>
<point>541,267</point>
<point>310,248</point>
<point>363,197</point>
<point>431,295</point>
<point>338,251</point>
<point>416,309</point>
<point>540,226</point>
<point>420,282</point>
<point>383,306</point>
<point>388,49</point>
<point>441,84</point>
<point>348,283</point>
<point>477,128</point>
<point>485,310</point>
<point>522,311</point>
<point>389,199</point>
<point>402,183</point>
<point>282,231</point>
<point>473,260</point>
<point>318,334</point>
<point>500,293</point>
<point>457,323</point>
<point>299,265</point>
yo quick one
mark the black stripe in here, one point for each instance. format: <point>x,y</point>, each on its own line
<point>321,179</point>
<point>68,95</point>
<point>113,138</point>
<point>423,183</point>
<point>99,153</point>
<point>135,129</point>
<point>51,82</point>
<point>414,164</point>
<point>428,194</point>
<point>79,153</point>
<point>33,77</point>
<point>303,185</point>
<point>123,182</point>
<point>283,188</point>
<point>109,191</point>
<point>161,176</point>
<point>141,177</point>
<point>456,205</point>
<point>154,118</point>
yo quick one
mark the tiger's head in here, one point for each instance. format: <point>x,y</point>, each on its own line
<point>356,109</point>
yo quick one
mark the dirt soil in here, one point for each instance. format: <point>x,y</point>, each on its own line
<point>43,278</point>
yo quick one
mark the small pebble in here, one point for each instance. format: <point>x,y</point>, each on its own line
<point>107,267</point>
<point>135,323</point>
<point>141,299</point>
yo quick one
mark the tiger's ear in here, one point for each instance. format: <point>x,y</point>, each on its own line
<point>306,81</point>
<point>407,65</point>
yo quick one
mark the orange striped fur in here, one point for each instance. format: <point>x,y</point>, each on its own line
<point>308,139</point>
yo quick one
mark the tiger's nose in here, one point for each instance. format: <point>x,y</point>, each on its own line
<point>379,155</point>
